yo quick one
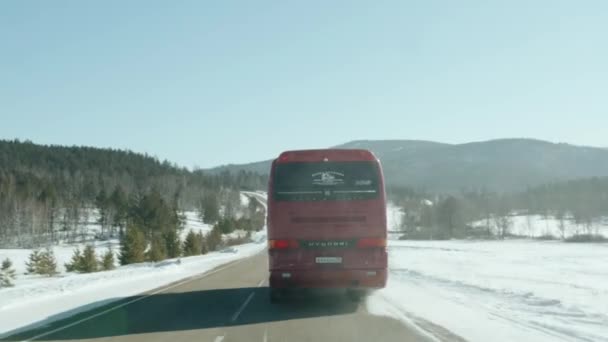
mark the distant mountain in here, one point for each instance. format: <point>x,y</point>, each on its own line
<point>497,165</point>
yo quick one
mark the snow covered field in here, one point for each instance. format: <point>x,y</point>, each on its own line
<point>536,225</point>
<point>515,290</point>
<point>194,223</point>
<point>394,215</point>
<point>63,252</point>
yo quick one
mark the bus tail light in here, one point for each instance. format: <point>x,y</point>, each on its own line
<point>371,243</point>
<point>282,244</point>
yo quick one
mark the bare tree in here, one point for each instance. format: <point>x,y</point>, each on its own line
<point>529,224</point>
<point>560,215</point>
<point>502,218</point>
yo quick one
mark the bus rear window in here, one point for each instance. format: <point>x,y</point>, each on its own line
<point>322,181</point>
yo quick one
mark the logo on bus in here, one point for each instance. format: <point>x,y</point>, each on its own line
<point>328,178</point>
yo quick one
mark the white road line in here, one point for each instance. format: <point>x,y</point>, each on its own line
<point>131,302</point>
<point>240,310</point>
<point>261,282</point>
<point>265,335</point>
<point>219,339</point>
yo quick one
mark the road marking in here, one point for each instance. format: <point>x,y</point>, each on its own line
<point>265,335</point>
<point>187,280</point>
<point>240,310</point>
<point>261,282</point>
<point>219,339</point>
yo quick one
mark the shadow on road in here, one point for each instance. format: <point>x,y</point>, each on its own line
<point>167,312</point>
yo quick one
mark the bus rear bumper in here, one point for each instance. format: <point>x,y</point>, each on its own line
<point>365,279</point>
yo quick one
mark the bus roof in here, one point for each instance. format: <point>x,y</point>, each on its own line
<point>326,155</point>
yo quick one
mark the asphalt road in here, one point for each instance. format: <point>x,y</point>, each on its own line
<point>228,304</point>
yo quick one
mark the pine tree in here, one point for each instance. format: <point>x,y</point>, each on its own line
<point>107,260</point>
<point>158,251</point>
<point>252,206</point>
<point>203,242</point>
<point>210,208</point>
<point>192,244</point>
<point>47,264</point>
<point>33,262</point>
<point>172,244</point>
<point>75,265</point>
<point>213,239</point>
<point>258,220</point>
<point>132,246</point>
<point>101,202</point>
<point>120,204</point>
<point>7,273</point>
<point>89,260</point>
<point>225,225</point>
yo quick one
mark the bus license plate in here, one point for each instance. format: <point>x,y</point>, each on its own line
<point>329,260</point>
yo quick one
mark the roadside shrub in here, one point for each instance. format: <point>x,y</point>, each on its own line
<point>258,220</point>
<point>76,263</point>
<point>237,241</point>
<point>192,244</point>
<point>33,261</point>
<point>546,237</point>
<point>7,273</point>
<point>83,262</point>
<point>255,222</point>
<point>586,238</point>
<point>107,260</point>
<point>47,264</point>
<point>158,250</point>
<point>132,246</point>
<point>213,240</point>
<point>89,260</point>
<point>425,234</point>
<point>42,262</point>
<point>478,233</point>
<point>204,246</point>
<point>173,245</point>
<point>226,225</point>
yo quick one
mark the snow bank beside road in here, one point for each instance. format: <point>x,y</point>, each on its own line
<point>515,290</point>
<point>499,290</point>
<point>35,299</point>
<point>34,302</point>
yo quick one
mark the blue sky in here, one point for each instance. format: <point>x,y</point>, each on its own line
<point>207,83</point>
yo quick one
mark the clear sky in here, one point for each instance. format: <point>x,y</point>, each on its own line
<point>213,82</point>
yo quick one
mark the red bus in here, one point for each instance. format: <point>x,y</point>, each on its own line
<point>326,222</point>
